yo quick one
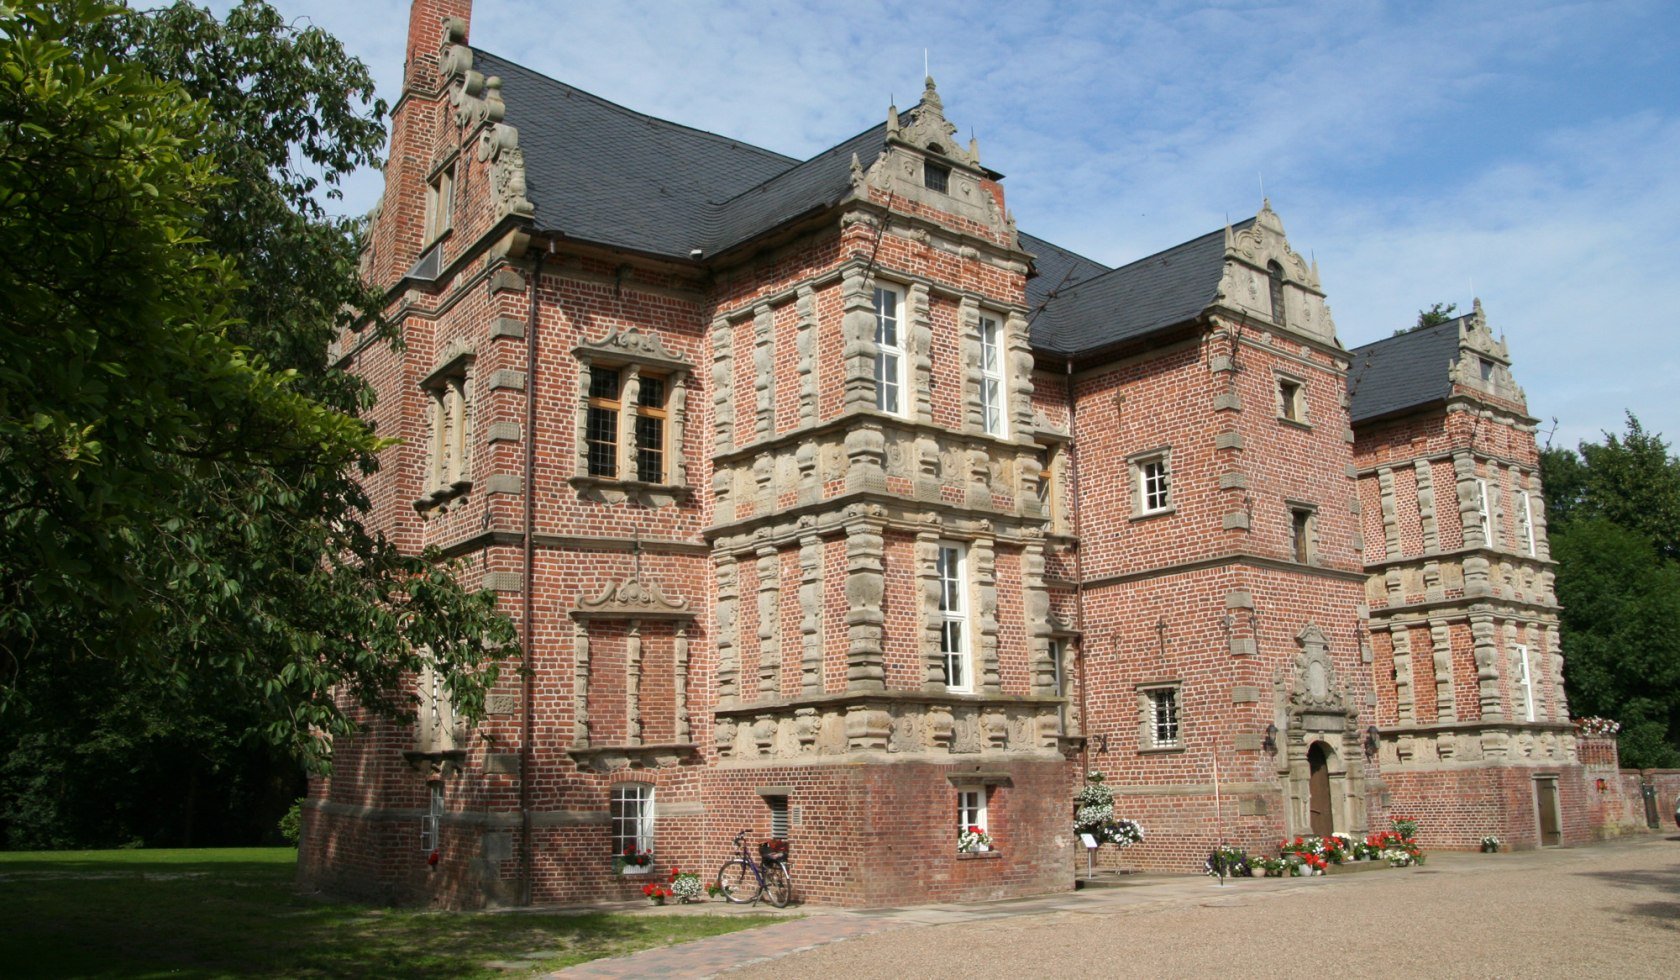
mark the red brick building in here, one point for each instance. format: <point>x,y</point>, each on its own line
<point>832,506</point>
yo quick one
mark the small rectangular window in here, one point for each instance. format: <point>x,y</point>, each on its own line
<point>971,809</point>
<point>1525,521</point>
<point>778,816</point>
<point>440,203</point>
<point>1292,400</point>
<point>991,378</point>
<point>1161,729</point>
<point>1154,484</point>
<point>1487,368</point>
<point>889,352</point>
<point>953,617</point>
<point>1300,534</point>
<point>1485,513</point>
<point>936,177</point>
<point>1525,681</point>
<point>431,823</point>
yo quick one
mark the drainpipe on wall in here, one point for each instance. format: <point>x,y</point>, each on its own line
<point>1078,570</point>
<point>526,631</point>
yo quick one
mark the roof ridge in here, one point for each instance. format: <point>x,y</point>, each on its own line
<point>1068,251</point>
<point>819,155</point>
<point>626,110</point>
<point>1414,332</point>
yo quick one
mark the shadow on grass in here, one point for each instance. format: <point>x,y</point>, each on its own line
<point>206,914</point>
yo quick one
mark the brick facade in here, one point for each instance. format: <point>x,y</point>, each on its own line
<point>738,568</point>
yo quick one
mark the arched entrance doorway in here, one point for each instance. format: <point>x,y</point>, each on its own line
<point>1319,815</point>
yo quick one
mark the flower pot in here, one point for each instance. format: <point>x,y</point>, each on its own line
<point>636,869</point>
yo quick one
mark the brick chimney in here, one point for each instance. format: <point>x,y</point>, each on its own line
<point>417,122</point>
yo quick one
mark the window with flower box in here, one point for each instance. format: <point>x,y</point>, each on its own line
<point>973,831</point>
<point>632,819</point>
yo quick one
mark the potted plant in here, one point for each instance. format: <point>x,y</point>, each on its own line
<point>1491,844</point>
<point>973,841</point>
<point>656,893</point>
<point>686,885</point>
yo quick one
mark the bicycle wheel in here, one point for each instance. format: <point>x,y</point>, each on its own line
<point>737,882</point>
<point>778,885</point>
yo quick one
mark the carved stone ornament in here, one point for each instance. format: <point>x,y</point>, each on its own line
<point>633,599</point>
<point>477,100</point>
<point>929,130</point>
<point>499,146</point>
<point>631,344</point>
<point>1315,676</point>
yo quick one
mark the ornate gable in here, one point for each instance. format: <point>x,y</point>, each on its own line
<point>1247,285</point>
<point>1484,362</point>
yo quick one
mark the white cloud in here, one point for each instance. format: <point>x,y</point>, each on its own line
<point>1412,148</point>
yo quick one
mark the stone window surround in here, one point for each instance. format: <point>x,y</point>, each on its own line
<point>1298,509</point>
<point>633,354</point>
<point>1137,467</point>
<point>1528,703</point>
<point>1149,699</point>
<point>449,388</point>
<point>1291,399</point>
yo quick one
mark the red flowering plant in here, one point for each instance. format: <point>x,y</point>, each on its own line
<point>972,840</point>
<point>656,893</point>
<point>1394,846</point>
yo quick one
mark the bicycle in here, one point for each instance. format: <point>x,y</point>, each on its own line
<point>743,880</point>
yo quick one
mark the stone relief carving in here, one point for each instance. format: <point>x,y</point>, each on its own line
<point>634,599</point>
<point>1316,687</point>
<point>635,345</point>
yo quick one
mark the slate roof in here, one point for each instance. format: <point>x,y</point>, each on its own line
<point>1056,270</point>
<point>1135,300</point>
<point>1402,372</point>
<point>603,173</point>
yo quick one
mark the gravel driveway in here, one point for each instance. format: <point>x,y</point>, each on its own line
<point>1608,910</point>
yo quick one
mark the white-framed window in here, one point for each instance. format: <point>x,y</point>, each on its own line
<point>440,203</point>
<point>433,818</point>
<point>952,569</point>
<point>1292,400</point>
<point>1525,681</point>
<point>1525,521</point>
<point>1485,514</point>
<point>1152,482</point>
<point>993,394</point>
<point>971,809</point>
<point>889,350</point>
<point>632,818</point>
<point>1160,716</point>
<point>1301,521</point>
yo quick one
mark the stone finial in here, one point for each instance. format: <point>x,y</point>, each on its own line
<point>928,129</point>
<point>892,120</point>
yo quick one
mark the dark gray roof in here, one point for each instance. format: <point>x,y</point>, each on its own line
<point>603,173</point>
<point>1135,300</point>
<point>1403,371</point>
<point>1055,270</point>
<point>816,183</point>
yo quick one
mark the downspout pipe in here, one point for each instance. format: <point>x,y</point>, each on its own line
<point>1078,569</point>
<point>527,631</point>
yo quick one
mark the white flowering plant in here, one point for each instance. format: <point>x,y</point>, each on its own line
<point>1491,844</point>
<point>972,840</point>
<point>1596,727</point>
<point>1095,815</point>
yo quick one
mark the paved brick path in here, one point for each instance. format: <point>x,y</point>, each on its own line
<point>1604,910</point>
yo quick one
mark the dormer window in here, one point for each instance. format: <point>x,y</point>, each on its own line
<point>1275,272</point>
<point>1486,368</point>
<point>936,177</point>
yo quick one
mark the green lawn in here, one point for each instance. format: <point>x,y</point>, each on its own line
<point>235,912</point>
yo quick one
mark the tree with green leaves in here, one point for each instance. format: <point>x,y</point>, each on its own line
<point>1614,514</point>
<point>1434,316</point>
<point>180,505</point>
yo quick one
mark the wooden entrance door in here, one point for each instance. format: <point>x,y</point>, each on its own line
<point>1318,791</point>
<point>1546,808</point>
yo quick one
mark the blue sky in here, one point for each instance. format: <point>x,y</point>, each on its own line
<point>1525,152</point>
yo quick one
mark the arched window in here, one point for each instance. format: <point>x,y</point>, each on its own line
<point>1276,273</point>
